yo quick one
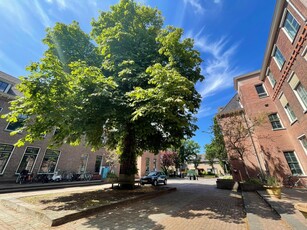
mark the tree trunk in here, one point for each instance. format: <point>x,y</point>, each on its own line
<point>128,166</point>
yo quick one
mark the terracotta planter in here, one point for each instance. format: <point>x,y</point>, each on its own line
<point>302,207</point>
<point>274,191</point>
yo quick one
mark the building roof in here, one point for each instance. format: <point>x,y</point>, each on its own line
<point>232,106</point>
<point>278,12</point>
<point>12,81</point>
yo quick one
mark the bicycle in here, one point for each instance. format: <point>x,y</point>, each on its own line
<point>296,182</point>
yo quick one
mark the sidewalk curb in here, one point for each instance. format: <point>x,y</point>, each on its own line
<point>287,218</point>
<point>23,207</point>
<point>48,186</point>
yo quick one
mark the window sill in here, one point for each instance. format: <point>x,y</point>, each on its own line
<point>293,122</point>
<point>279,129</point>
<point>288,36</point>
<point>305,111</point>
<point>278,65</point>
<point>260,97</point>
<point>7,130</point>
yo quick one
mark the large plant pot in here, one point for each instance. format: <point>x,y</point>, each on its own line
<point>274,191</point>
<point>225,184</point>
<point>302,207</point>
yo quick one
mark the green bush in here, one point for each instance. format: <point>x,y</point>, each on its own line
<point>112,175</point>
<point>272,181</point>
<point>253,181</point>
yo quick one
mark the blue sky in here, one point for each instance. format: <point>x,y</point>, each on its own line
<point>230,34</point>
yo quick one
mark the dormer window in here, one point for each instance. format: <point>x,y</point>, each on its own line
<point>3,86</point>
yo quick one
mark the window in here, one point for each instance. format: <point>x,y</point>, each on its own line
<point>83,163</point>
<point>1,109</point>
<point>5,153</point>
<point>50,161</point>
<point>290,112</point>
<point>12,126</point>
<point>302,94</point>
<point>293,163</point>
<point>278,57</point>
<point>147,165</point>
<point>291,26</point>
<point>260,90</point>
<point>298,89</point>
<point>274,119</point>
<point>303,141</point>
<point>271,79</point>
<point>98,163</point>
<point>3,86</point>
<point>28,159</point>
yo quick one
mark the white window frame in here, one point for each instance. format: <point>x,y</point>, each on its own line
<point>298,161</point>
<point>263,89</point>
<point>268,71</point>
<point>292,120</point>
<point>304,52</point>
<point>56,165</point>
<point>282,125</point>
<point>282,25</point>
<point>39,149</point>
<point>8,160</point>
<point>300,138</point>
<point>10,130</point>
<point>296,94</point>
<point>275,59</point>
<point>7,88</point>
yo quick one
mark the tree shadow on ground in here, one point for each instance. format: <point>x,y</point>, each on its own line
<point>191,202</point>
<point>85,200</point>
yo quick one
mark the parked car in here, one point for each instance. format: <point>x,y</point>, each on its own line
<point>154,178</point>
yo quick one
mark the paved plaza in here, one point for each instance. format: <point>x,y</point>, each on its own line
<point>195,205</point>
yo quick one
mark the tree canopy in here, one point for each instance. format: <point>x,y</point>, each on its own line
<point>188,151</point>
<point>132,89</point>
<point>216,149</point>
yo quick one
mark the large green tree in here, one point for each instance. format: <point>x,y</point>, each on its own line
<point>188,151</point>
<point>216,149</point>
<point>133,90</point>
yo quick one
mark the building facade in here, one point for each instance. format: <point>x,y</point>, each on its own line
<point>277,93</point>
<point>38,158</point>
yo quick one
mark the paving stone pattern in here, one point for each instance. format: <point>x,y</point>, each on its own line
<point>195,205</point>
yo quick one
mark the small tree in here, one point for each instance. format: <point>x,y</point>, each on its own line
<point>237,131</point>
<point>211,154</point>
<point>216,149</point>
<point>168,160</point>
<point>196,160</point>
<point>188,151</point>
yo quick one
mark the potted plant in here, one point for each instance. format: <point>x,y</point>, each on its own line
<point>251,184</point>
<point>225,182</point>
<point>273,187</point>
<point>112,177</point>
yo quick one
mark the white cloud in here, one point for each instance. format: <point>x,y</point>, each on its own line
<point>219,68</point>
<point>205,112</point>
<point>60,3</point>
<point>198,8</point>
<point>45,20</point>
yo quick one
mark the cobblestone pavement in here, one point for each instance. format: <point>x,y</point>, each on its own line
<point>195,205</point>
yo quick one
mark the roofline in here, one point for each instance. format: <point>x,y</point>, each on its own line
<point>12,80</point>
<point>278,12</point>
<point>243,77</point>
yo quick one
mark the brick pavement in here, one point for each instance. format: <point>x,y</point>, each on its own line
<point>195,205</point>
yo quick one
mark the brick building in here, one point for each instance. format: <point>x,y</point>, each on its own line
<point>278,94</point>
<point>38,158</point>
